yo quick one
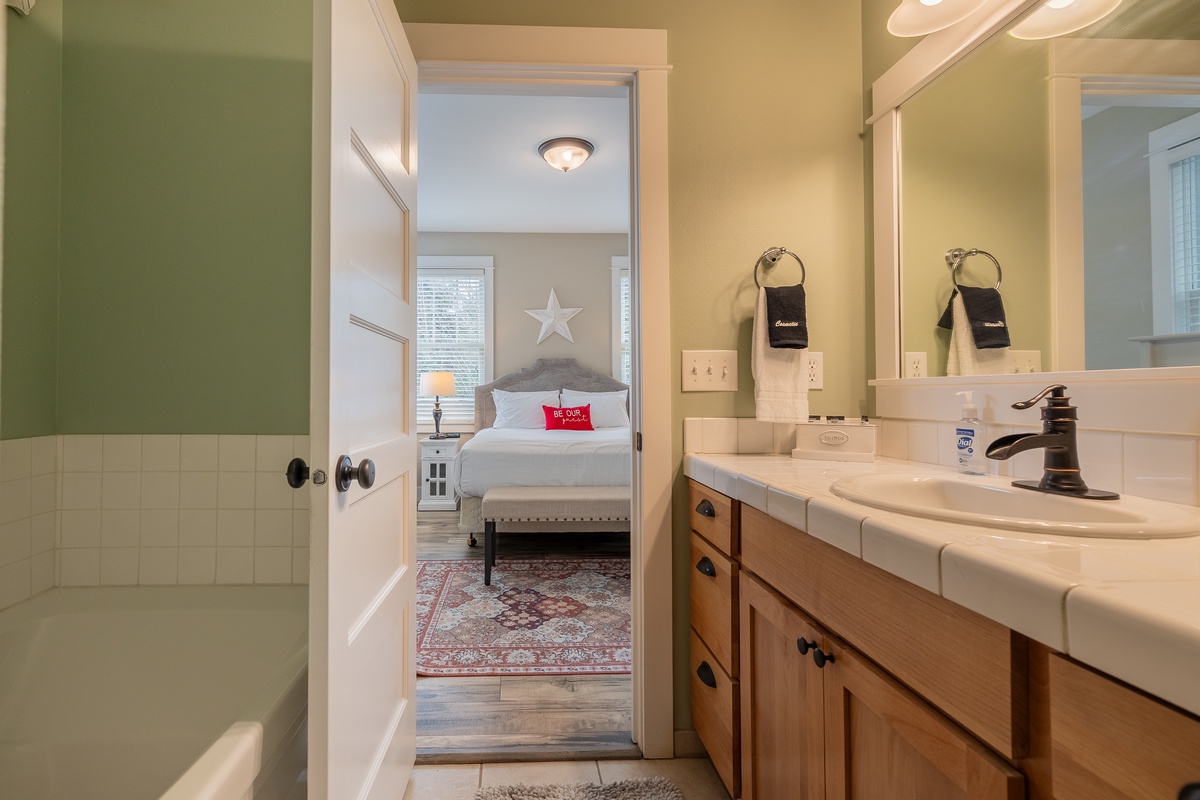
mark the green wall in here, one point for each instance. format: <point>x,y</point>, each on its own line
<point>765,136</point>
<point>183,279</point>
<point>28,383</point>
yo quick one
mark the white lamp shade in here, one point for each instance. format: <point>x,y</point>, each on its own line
<point>919,17</point>
<point>1058,17</point>
<point>565,153</point>
<point>436,384</point>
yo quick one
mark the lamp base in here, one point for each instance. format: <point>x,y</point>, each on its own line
<point>439,436</point>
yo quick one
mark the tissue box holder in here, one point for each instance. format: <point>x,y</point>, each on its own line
<point>835,442</point>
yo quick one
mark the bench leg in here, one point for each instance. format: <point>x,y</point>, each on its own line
<point>489,551</point>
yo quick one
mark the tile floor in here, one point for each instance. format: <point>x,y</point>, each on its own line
<point>695,777</point>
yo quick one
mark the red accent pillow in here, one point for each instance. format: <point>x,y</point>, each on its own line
<point>578,418</point>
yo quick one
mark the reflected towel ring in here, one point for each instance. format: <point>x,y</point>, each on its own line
<point>956,257</point>
<point>770,258</point>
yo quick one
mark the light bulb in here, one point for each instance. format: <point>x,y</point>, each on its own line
<point>1059,3</point>
<point>930,2</point>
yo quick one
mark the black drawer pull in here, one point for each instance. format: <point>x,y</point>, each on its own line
<point>1190,792</point>
<point>705,509</point>
<point>705,674</point>
<point>705,567</point>
<point>804,646</point>
<point>821,658</point>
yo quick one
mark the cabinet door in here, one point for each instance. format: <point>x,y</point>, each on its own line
<point>1114,742</point>
<point>883,741</point>
<point>782,710</point>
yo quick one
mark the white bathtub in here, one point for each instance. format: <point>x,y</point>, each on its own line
<point>142,693</point>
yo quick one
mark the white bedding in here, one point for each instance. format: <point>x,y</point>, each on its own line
<point>530,457</point>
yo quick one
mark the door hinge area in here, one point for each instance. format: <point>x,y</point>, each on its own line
<point>637,441</point>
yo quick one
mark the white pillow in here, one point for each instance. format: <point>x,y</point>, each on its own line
<point>522,409</point>
<point>608,408</point>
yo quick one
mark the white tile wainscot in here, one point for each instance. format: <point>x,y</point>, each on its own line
<point>152,509</point>
<point>1128,608</point>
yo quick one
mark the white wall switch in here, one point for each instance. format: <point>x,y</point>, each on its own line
<point>710,371</point>
<point>915,365</point>
<point>1026,360</point>
<point>816,370</point>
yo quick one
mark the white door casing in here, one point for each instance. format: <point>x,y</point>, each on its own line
<point>362,679</point>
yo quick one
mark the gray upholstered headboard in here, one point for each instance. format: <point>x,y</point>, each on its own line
<point>545,374</point>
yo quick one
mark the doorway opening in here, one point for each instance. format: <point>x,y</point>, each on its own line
<point>498,230</point>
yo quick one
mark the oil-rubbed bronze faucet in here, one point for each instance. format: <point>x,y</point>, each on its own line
<point>1060,468</point>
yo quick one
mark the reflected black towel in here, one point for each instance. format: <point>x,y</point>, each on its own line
<point>787,320</point>
<point>985,310</point>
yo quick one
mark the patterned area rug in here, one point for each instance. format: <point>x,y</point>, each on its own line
<point>539,617</point>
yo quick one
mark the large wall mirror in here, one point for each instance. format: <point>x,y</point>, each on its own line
<point>1075,161</point>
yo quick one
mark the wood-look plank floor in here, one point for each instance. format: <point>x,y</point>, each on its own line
<point>489,719</point>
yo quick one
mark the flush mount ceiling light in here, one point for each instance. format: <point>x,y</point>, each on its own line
<point>566,152</point>
<point>919,17</point>
<point>1058,17</point>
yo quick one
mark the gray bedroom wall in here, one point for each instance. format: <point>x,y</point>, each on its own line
<point>527,266</point>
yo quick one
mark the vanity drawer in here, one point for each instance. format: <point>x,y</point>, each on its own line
<point>969,667</point>
<point>714,602</point>
<point>1108,740</point>
<point>712,516</point>
<point>715,713</point>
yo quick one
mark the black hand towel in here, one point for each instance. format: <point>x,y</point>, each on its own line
<point>985,310</point>
<point>787,320</point>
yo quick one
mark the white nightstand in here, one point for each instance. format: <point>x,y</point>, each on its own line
<point>436,492</point>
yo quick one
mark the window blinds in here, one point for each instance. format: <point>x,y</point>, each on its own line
<point>451,338</point>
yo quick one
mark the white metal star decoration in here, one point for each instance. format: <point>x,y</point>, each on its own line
<point>553,318</point>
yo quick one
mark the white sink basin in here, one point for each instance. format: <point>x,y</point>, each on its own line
<point>996,503</point>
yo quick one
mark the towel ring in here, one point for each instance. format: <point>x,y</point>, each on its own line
<point>770,258</point>
<point>956,257</point>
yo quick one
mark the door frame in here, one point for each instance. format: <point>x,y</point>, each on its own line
<point>635,58</point>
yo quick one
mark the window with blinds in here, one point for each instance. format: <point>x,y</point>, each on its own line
<point>622,321</point>
<point>1185,243</point>
<point>454,335</point>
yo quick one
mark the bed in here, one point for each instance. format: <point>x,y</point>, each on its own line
<point>501,456</point>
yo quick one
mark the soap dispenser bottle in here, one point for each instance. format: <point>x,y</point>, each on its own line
<point>970,458</point>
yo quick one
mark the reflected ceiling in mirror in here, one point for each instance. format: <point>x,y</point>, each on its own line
<point>978,165</point>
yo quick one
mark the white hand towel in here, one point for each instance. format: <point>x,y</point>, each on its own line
<point>964,357</point>
<point>780,385</point>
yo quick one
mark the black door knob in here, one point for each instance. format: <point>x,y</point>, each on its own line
<point>803,645</point>
<point>297,473</point>
<point>705,674</point>
<point>821,658</point>
<point>364,473</point>
<point>705,509</point>
<point>706,567</point>
<point>1190,792</point>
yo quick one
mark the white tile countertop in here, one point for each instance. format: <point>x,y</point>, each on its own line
<point>1130,608</point>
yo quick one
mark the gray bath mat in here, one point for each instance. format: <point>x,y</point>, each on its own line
<point>641,789</point>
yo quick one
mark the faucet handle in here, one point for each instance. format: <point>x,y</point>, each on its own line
<point>1057,388</point>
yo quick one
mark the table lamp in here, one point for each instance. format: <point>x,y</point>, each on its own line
<point>437,385</point>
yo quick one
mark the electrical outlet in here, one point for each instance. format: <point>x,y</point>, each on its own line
<point>710,371</point>
<point>1026,360</point>
<point>816,370</point>
<point>915,365</point>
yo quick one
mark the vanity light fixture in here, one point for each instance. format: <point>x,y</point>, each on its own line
<point>566,152</point>
<point>919,17</point>
<point>1058,17</point>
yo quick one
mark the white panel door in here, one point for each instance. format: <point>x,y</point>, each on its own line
<point>362,678</point>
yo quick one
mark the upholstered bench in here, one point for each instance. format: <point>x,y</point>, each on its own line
<point>547,504</point>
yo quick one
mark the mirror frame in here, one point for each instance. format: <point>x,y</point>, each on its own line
<point>1073,61</point>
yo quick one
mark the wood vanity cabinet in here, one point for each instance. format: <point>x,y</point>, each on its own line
<point>840,680</point>
<point>713,602</point>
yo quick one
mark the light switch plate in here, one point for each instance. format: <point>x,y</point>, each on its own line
<point>710,371</point>
<point>1026,360</point>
